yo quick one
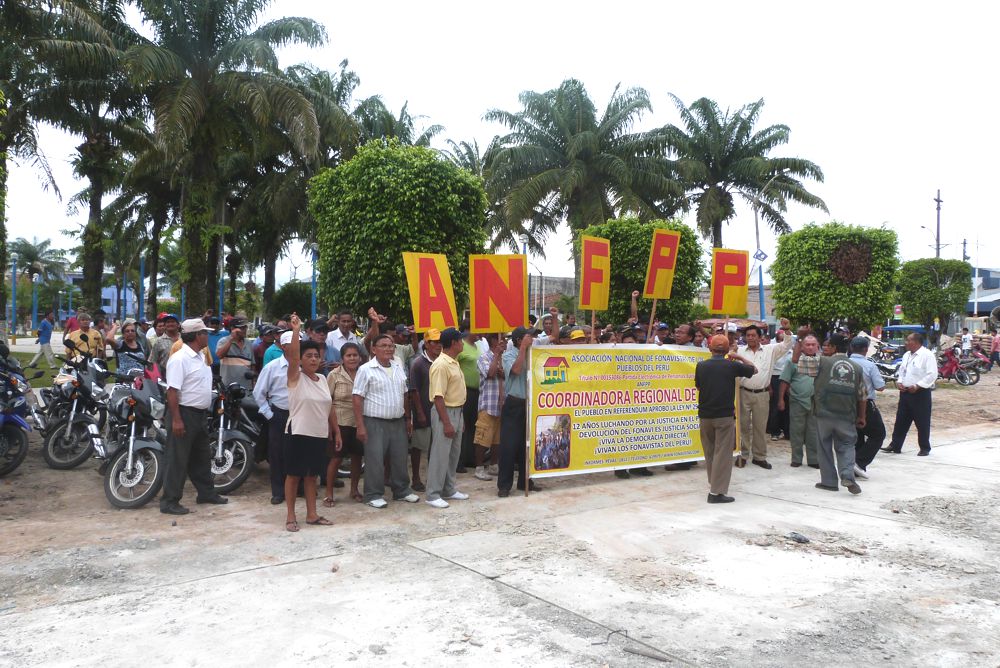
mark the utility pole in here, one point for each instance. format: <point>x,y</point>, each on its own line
<point>965,256</point>
<point>937,237</point>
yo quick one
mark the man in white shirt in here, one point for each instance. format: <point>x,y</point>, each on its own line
<point>755,400</point>
<point>271,395</point>
<point>966,342</point>
<point>918,371</point>
<point>384,426</point>
<point>189,396</point>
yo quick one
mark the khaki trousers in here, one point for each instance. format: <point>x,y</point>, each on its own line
<point>754,409</point>
<point>718,440</point>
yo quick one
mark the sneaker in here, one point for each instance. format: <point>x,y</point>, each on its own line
<point>481,473</point>
<point>860,472</point>
<point>852,486</point>
<point>493,469</point>
<point>458,496</point>
<point>409,498</point>
<point>437,503</point>
<point>775,437</point>
<point>378,503</point>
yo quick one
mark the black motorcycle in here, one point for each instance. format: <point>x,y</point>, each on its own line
<point>70,436</point>
<point>133,466</point>
<point>234,429</point>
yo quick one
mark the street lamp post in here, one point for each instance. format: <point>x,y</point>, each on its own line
<point>13,297</point>
<point>140,307</point>
<point>34,302</point>
<point>315,259</point>
<point>760,256</point>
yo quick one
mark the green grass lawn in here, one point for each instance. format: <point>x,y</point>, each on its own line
<point>43,365</point>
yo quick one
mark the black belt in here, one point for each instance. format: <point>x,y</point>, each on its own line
<point>275,408</point>
<point>372,417</point>
<point>193,409</point>
<point>511,398</point>
<point>753,391</point>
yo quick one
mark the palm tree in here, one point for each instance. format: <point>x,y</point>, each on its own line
<point>377,122</point>
<point>561,160</point>
<point>214,79</point>
<point>38,258</point>
<point>721,154</point>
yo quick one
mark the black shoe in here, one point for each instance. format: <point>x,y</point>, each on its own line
<point>503,493</point>
<point>924,453</point>
<point>217,500</point>
<point>641,471</point>
<point>720,498</point>
<point>763,463</point>
<point>829,488</point>
<point>796,465</point>
<point>532,487</point>
<point>852,486</point>
<point>813,466</point>
<point>418,487</point>
<point>623,474</point>
<point>461,469</point>
<point>893,451</point>
<point>277,500</point>
<point>174,509</point>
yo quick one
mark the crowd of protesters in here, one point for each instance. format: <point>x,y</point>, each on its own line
<point>389,401</point>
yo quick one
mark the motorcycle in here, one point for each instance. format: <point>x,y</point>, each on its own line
<point>14,428</point>
<point>133,466</point>
<point>977,360</point>
<point>949,367</point>
<point>236,429</point>
<point>69,440</point>
<point>888,370</point>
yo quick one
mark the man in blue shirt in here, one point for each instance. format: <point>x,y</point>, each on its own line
<point>45,339</point>
<point>514,414</point>
<point>870,438</point>
<point>215,332</point>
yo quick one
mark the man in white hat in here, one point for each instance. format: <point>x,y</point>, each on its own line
<point>189,397</point>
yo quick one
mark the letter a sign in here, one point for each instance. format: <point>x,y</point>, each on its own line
<point>729,281</point>
<point>498,292</point>
<point>661,265</point>
<point>595,273</point>
<point>431,293</point>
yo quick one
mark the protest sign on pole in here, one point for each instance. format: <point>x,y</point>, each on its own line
<point>728,294</point>
<point>432,296</point>
<point>594,408</point>
<point>498,292</point>
<point>595,273</point>
<point>661,265</point>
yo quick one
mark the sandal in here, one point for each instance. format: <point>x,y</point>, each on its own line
<point>292,526</point>
<point>320,521</point>
<point>328,502</point>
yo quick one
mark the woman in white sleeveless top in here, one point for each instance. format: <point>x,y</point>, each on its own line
<point>310,422</point>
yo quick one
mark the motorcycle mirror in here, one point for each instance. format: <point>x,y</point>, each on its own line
<point>69,343</point>
<point>84,338</point>
<point>248,375</point>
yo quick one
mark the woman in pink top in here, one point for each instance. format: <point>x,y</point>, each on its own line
<point>310,422</point>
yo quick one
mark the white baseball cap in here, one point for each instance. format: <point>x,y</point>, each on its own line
<point>193,326</point>
<point>286,338</point>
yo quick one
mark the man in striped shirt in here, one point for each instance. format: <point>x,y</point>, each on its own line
<point>383,418</point>
<point>487,436</point>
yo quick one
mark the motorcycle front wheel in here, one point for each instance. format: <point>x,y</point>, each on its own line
<point>971,376</point>
<point>13,448</point>
<point>67,446</point>
<point>134,488</point>
<point>235,465</point>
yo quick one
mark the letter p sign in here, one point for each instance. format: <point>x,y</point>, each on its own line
<point>729,281</point>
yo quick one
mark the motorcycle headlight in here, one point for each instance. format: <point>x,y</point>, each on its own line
<point>156,409</point>
<point>67,389</point>
<point>23,387</point>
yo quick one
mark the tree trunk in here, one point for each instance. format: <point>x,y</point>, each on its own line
<point>197,213</point>
<point>717,234</point>
<point>93,249</point>
<point>3,229</point>
<point>212,275</point>
<point>270,261</point>
<point>153,256</point>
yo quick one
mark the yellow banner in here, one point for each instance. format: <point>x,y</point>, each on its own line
<point>431,294</point>
<point>599,408</point>
<point>728,294</point>
<point>595,273</point>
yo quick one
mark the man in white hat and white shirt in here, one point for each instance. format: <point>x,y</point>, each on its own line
<point>189,397</point>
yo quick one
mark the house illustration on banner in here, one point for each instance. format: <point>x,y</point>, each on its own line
<point>555,370</point>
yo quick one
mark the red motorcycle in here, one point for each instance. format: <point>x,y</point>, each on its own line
<point>977,360</point>
<point>950,367</point>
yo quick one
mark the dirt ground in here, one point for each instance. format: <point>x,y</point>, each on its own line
<point>592,571</point>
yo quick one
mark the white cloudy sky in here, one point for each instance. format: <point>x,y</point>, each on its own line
<point>893,100</point>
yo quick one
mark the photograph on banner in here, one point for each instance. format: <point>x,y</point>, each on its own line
<point>604,408</point>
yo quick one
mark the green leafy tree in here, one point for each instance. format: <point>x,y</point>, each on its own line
<point>630,241</point>
<point>722,155</point>
<point>934,288</point>
<point>38,258</point>
<point>388,199</point>
<point>831,272</point>
<point>292,297</point>
<point>562,159</point>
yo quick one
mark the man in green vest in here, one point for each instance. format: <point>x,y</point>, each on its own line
<point>839,400</point>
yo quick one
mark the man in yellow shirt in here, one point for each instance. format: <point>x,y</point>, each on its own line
<point>447,391</point>
<point>86,339</point>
